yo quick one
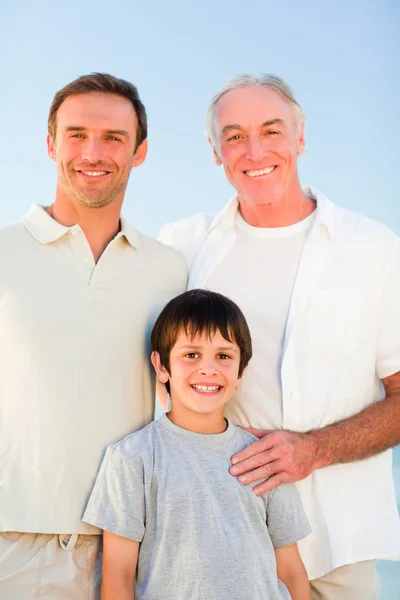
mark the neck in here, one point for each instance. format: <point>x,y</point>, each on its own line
<point>198,423</point>
<point>100,225</point>
<point>290,208</point>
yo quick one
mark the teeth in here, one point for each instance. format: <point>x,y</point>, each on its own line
<point>94,173</point>
<point>206,388</point>
<point>259,172</point>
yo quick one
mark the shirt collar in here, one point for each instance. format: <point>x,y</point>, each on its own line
<point>45,229</point>
<point>324,218</point>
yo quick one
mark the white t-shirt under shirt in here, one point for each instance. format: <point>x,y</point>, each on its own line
<point>266,260</point>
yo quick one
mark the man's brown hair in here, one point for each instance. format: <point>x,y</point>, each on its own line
<point>100,82</point>
<point>201,312</point>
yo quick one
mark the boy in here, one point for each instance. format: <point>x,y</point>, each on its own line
<point>174,519</point>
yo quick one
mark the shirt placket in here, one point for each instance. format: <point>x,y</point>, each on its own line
<point>312,261</point>
<point>82,252</point>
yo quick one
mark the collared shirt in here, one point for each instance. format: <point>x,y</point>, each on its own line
<point>75,373</point>
<point>342,337</point>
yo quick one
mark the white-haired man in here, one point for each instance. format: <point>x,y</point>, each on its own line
<point>320,287</point>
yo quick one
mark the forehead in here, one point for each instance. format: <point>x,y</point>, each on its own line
<point>97,110</point>
<point>215,340</point>
<point>251,106</point>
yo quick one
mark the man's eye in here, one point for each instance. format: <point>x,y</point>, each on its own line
<point>272,132</point>
<point>111,137</point>
<point>77,135</point>
<point>234,137</point>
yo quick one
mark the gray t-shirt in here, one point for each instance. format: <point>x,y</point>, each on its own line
<point>203,535</point>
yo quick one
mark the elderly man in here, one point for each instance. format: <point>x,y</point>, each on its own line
<point>320,287</point>
<point>79,291</point>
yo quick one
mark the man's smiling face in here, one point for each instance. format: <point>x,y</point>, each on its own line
<point>95,147</point>
<point>257,142</point>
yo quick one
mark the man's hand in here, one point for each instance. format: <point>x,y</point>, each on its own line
<point>282,456</point>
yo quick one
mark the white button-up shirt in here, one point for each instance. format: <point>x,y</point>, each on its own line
<point>75,373</point>
<point>342,337</point>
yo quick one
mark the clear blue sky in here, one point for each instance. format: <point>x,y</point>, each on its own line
<point>341,57</point>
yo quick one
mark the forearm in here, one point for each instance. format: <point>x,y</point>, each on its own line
<point>298,587</point>
<point>292,573</point>
<point>116,588</point>
<point>373,430</point>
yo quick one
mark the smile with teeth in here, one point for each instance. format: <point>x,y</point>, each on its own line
<point>94,173</point>
<point>208,389</point>
<point>259,172</point>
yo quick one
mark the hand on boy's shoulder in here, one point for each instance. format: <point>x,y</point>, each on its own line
<point>276,457</point>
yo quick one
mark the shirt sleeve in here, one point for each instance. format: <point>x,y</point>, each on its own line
<point>388,354</point>
<point>117,501</point>
<point>286,520</point>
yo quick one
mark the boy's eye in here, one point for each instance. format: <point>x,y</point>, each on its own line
<point>223,356</point>
<point>192,355</point>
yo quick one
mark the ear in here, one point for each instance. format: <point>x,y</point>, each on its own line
<point>301,144</point>
<point>140,154</point>
<point>161,371</point>
<point>217,159</point>
<point>51,147</point>
<point>240,379</point>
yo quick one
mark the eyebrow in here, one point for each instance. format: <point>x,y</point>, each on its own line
<point>122,132</point>
<point>219,349</point>
<point>234,126</point>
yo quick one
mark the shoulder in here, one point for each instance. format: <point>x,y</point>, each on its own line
<point>136,447</point>
<point>164,255</point>
<point>13,234</point>
<point>242,438</point>
<point>194,225</point>
<point>355,227</point>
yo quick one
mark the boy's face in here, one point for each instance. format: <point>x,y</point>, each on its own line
<point>203,374</point>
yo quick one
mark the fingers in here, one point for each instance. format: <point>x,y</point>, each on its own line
<point>262,472</point>
<point>261,445</point>
<point>255,462</point>
<point>271,483</point>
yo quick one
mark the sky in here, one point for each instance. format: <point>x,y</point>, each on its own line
<point>340,57</point>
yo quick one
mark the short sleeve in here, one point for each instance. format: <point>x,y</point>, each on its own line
<point>388,354</point>
<point>117,500</point>
<point>286,520</point>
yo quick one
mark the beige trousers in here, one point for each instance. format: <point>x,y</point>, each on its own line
<point>359,581</point>
<point>50,567</point>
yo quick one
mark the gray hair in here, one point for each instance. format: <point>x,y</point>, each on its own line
<point>271,82</point>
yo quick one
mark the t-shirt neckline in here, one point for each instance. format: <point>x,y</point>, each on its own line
<point>207,440</point>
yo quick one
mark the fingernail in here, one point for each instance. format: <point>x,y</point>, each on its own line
<point>234,461</point>
<point>234,470</point>
<point>242,479</point>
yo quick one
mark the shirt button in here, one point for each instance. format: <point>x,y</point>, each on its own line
<point>73,232</point>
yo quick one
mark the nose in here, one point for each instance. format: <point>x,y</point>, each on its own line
<point>91,150</point>
<point>207,368</point>
<point>255,149</point>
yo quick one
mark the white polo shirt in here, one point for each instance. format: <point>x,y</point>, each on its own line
<point>75,373</point>
<point>342,336</point>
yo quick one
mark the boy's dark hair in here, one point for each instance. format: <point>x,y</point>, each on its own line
<point>201,312</point>
<point>101,82</point>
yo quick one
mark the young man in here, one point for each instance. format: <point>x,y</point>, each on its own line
<point>79,292</point>
<point>171,512</point>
